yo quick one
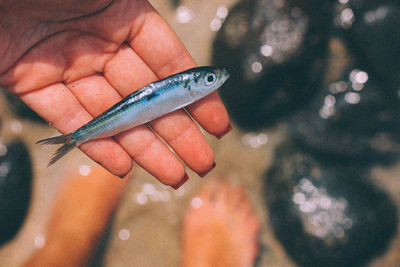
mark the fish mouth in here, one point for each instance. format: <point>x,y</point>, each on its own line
<point>224,75</point>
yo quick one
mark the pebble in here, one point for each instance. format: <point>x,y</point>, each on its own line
<point>325,213</point>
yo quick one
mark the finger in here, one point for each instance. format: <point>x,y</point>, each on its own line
<point>140,142</point>
<point>127,72</point>
<point>165,54</point>
<point>57,105</point>
<point>211,114</point>
<point>183,135</point>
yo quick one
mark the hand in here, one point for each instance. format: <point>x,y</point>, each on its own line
<point>71,60</point>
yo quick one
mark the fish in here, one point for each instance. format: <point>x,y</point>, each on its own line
<point>144,105</point>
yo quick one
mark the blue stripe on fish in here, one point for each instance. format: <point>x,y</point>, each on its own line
<point>146,104</point>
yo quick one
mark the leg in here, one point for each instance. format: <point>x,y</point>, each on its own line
<point>81,211</point>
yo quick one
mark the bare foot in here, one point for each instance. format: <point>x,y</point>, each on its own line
<point>220,228</point>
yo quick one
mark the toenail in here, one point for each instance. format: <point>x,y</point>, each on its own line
<point>184,179</point>
<point>227,130</point>
<point>202,174</point>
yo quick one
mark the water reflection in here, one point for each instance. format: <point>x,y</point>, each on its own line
<point>184,14</point>
<point>39,241</point>
<point>372,29</point>
<point>357,79</point>
<point>216,22</point>
<point>85,170</point>
<point>374,16</point>
<point>4,169</point>
<point>16,126</point>
<point>3,149</point>
<point>124,234</point>
<point>345,18</point>
<point>323,215</point>
<point>352,117</point>
<point>255,140</point>
<point>196,202</point>
<point>155,193</point>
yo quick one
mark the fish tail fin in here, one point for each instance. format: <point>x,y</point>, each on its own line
<point>61,139</point>
<point>68,142</point>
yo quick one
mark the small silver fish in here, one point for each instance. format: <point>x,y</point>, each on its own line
<point>144,105</point>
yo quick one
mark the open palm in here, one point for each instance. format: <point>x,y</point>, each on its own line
<point>70,61</point>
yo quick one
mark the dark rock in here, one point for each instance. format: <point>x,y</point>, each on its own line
<point>374,35</point>
<point>21,109</point>
<point>275,52</point>
<point>175,3</point>
<point>15,188</point>
<point>354,118</point>
<point>327,214</point>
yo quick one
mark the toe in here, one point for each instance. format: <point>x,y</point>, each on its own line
<point>237,196</point>
<point>222,194</point>
<point>208,190</point>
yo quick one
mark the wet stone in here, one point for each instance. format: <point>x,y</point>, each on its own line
<point>326,214</point>
<point>275,51</point>
<point>175,3</point>
<point>15,188</point>
<point>374,36</point>
<point>352,118</point>
<point>21,109</point>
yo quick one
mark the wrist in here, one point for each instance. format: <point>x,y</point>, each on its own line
<point>17,34</point>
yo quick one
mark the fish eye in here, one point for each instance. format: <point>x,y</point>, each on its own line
<point>210,79</point>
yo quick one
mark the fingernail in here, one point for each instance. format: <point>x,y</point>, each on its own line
<point>184,179</point>
<point>227,130</point>
<point>202,174</point>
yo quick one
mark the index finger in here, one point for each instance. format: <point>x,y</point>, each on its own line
<point>161,49</point>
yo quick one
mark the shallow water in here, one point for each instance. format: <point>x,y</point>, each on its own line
<point>147,226</point>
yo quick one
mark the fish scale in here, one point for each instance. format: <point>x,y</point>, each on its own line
<point>148,103</point>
